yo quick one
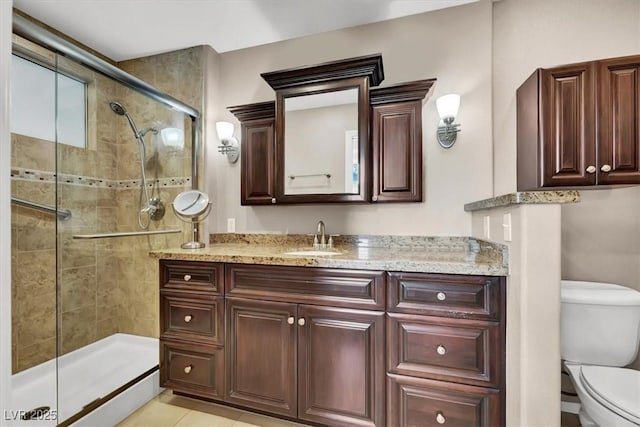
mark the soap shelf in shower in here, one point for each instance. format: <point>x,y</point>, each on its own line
<point>125,234</point>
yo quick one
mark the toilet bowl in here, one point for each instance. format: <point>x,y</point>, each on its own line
<point>600,333</point>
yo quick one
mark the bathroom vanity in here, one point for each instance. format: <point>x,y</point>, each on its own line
<point>395,335</point>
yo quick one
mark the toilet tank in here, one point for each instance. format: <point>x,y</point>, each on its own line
<point>599,324</point>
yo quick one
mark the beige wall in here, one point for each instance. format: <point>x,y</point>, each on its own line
<point>453,45</point>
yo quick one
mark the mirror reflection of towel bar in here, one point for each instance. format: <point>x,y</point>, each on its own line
<point>327,175</point>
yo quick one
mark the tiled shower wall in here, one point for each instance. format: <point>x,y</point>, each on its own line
<point>105,285</point>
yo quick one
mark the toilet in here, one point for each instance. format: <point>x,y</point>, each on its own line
<point>600,333</point>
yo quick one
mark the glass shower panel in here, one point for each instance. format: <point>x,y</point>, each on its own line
<point>33,229</point>
<point>108,309</point>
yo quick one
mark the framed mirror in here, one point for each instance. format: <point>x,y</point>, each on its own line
<point>322,131</point>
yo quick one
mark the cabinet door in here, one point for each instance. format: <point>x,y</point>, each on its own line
<point>397,152</point>
<point>258,161</point>
<point>341,366</point>
<point>567,118</point>
<point>619,119</point>
<point>261,350</point>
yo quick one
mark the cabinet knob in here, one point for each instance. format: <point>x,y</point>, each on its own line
<point>441,350</point>
<point>291,320</point>
<point>273,200</point>
<point>440,419</point>
<point>301,321</point>
<point>374,198</point>
<point>591,169</point>
<point>187,369</point>
<point>188,318</point>
<point>441,296</point>
<point>605,168</point>
<point>187,277</point>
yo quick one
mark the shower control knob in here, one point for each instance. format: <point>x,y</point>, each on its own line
<point>440,419</point>
<point>291,320</point>
<point>441,350</point>
<point>591,169</point>
<point>187,277</point>
<point>188,318</point>
<point>605,168</point>
<point>441,296</point>
<point>187,369</point>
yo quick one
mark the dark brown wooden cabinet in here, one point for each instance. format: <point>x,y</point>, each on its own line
<point>192,328</point>
<point>578,125</point>
<point>318,363</point>
<point>341,366</point>
<point>396,133</point>
<point>389,126</point>
<point>336,347</point>
<point>619,121</point>
<point>261,354</point>
<point>257,153</point>
<point>445,350</point>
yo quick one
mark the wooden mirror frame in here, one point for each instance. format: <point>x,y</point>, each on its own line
<point>364,151</point>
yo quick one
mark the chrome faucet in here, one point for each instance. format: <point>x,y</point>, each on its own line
<point>321,231</point>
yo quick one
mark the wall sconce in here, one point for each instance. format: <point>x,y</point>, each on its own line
<point>172,137</point>
<point>448,109</point>
<point>230,145</point>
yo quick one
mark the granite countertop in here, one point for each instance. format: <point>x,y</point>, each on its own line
<point>451,255</point>
<point>526,198</point>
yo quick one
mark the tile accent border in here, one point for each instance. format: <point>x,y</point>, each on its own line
<point>22,174</point>
<point>525,198</point>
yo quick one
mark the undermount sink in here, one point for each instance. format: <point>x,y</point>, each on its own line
<point>314,252</point>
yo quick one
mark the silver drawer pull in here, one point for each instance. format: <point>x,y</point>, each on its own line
<point>606,168</point>
<point>441,296</point>
<point>291,320</point>
<point>187,369</point>
<point>591,169</point>
<point>440,419</point>
<point>188,318</point>
<point>441,350</point>
<point>187,277</point>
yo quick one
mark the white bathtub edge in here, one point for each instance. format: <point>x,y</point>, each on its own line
<point>124,404</point>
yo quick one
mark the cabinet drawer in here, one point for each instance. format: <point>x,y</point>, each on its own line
<point>448,295</point>
<point>319,286</point>
<point>416,402</point>
<point>192,319</point>
<point>192,276</point>
<point>457,350</point>
<point>196,370</point>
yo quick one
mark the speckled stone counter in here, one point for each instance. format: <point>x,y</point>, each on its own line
<point>525,198</point>
<point>451,255</point>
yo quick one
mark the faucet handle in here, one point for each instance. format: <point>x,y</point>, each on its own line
<point>315,241</point>
<point>330,242</point>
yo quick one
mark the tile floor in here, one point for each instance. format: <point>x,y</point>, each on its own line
<point>168,410</point>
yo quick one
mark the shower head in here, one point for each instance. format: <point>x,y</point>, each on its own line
<point>117,108</point>
<point>121,111</point>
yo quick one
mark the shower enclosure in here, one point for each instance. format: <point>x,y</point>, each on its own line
<point>89,191</point>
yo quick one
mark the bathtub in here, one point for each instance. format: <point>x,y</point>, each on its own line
<point>84,376</point>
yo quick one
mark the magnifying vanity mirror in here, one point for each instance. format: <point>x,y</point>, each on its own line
<point>192,206</point>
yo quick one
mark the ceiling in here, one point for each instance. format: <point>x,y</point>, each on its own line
<point>125,29</point>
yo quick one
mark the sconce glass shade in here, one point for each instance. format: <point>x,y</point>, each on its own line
<point>172,137</point>
<point>230,145</point>
<point>224,130</point>
<point>448,106</point>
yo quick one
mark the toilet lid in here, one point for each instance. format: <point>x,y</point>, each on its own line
<point>618,389</point>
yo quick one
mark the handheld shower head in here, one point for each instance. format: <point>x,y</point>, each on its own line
<point>121,111</point>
